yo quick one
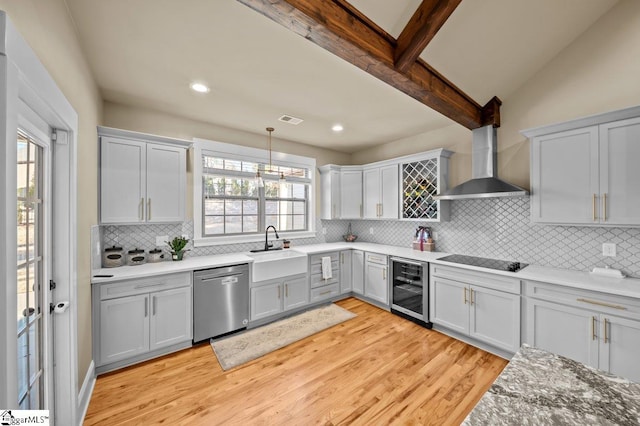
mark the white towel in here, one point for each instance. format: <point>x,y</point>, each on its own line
<point>326,268</point>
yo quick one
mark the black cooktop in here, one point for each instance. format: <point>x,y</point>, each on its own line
<point>500,265</point>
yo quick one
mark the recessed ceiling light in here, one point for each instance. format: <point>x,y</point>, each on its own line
<point>337,128</point>
<point>199,87</point>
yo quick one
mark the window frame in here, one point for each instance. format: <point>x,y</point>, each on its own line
<point>237,152</point>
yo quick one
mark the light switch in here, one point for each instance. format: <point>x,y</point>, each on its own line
<point>609,249</point>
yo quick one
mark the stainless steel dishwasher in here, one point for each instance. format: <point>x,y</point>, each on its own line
<point>220,301</point>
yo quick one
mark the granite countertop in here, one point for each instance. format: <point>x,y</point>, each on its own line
<point>541,388</point>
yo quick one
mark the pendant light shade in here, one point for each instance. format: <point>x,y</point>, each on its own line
<point>259,180</point>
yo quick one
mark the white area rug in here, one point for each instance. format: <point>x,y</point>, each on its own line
<point>240,348</point>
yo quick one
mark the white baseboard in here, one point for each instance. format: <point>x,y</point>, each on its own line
<point>84,396</point>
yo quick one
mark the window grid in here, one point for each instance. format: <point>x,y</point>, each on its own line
<point>242,208</point>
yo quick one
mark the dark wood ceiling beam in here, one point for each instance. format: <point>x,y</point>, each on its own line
<point>339,28</point>
<point>420,30</point>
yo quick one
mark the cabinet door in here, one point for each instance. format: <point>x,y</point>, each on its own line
<point>495,317</point>
<point>619,172</point>
<point>389,192</point>
<point>564,177</point>
<point>170,317</point>
<point>122,180</point>
<point>335,194</point>
<point>376,285</point>
<point>563,330</point>
<point>351,194</point>
<point>124,328</point>
<point>296,293</point>
<point>166,183</point>
<point>266,300</point>
<point>357,271</point>
<point>345,271</point>
<point>619,354</point>
<point>449,304</point>
<point>371,193</point>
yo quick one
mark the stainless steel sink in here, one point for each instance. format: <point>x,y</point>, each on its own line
<point>271,264</point>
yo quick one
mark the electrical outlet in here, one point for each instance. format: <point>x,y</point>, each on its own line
<point>371,231</point>
<point>161,240</point>
<point>324,231</point>
<point>609,249</point>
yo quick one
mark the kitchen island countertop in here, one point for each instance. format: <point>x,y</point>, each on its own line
<point>541,388</point>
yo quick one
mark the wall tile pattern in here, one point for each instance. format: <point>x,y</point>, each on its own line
<point>497,228</point>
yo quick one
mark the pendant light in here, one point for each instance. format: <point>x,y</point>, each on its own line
<point>259,180</point>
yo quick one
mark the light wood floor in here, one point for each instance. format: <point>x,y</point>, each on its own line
<point>374,369</point>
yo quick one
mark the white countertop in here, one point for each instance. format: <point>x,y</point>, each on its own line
<point>167,267</point>
<point>629,287</point>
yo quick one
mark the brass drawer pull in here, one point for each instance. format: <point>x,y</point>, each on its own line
<point>606,337</point>
<point>593,202</point>
<point>593,328</point>
<point>465,295</point>
<point>596,302</point>
<point>471,301</point>
<point>325,292</point>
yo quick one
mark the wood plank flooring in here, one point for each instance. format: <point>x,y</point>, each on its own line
<point>374,369</point>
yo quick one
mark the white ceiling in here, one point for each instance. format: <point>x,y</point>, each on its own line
<point>147,52</point>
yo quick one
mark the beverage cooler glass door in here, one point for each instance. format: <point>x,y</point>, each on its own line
<point>408,288</point>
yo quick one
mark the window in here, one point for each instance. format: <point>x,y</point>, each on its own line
<point>233,204</point>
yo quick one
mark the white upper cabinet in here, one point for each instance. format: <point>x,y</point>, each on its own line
<point>380,194</point>
<point>350,194</point>
<point>564,177</point>
<point>619,172</point>
<point>330,192</point>
<point>143,178</point>
<point>585,171</point>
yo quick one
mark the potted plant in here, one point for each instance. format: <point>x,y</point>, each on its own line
<point>177,246</point>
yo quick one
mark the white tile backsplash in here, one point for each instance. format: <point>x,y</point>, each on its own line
<point>498,228</point>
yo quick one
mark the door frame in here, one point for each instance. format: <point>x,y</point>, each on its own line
<point>23,77</point>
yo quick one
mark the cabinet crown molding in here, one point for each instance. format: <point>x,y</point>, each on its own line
<point>591,120</point>
<point>147,137</point>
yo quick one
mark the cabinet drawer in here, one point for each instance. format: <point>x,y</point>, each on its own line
<point>380,259</point>
<point>585,299</point>
<point>144,285</point>
<point>483,279</point>
<point>325,292</point>
<point>317,281</point>
<point>316,259</point>
<point>317,268</point>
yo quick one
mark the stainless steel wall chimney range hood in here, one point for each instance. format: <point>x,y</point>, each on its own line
<point>484,167</point>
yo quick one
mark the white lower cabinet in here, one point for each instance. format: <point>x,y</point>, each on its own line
<point>273,297</point>
<point>134,318</point>
<point>346,274</point>
<point>376,284</point>
<point>171,317</point>
<point>599,330</point>
<point>124,328</point>
<point>485,307</point>
<point>357,271</point>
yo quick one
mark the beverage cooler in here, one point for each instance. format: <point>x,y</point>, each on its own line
<point>410,290</point>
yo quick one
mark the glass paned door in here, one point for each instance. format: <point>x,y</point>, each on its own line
<point>30,270</point>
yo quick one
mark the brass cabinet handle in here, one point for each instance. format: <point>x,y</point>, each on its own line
<point>606,337</point>
<point>384,273</point>
<point>154,306</point>
<point>149,209</point>
<point>286,290</point>
<point>597,302</point>
<point>146,307</point>
<point>465,295</point>
<point>141,209</point>
<point>381,209</point>
<point>325,292</point>
<point>342,258</point>
<point>604,207</point>
<point>593,328</point>
<point>471,300</point>
<point>593,202</point>
<point>278,292</point>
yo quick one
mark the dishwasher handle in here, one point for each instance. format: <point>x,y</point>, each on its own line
<point>204,278</point>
